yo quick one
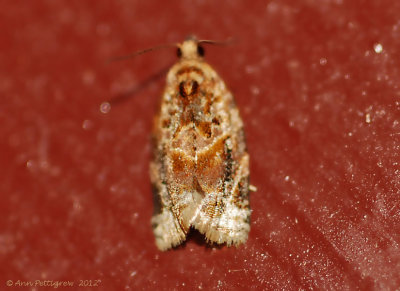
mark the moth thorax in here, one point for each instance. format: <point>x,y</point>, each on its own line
<point>188,88</point>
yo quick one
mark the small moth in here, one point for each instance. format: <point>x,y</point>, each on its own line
<point>200,166</point>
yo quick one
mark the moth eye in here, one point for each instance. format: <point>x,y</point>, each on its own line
<point>200,50</point>
<point>179,52</point>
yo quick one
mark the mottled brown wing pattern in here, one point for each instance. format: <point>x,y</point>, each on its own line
<point>200,168</point>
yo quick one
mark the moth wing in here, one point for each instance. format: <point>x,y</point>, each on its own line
<point>225,218</point>
<point>166,226</point>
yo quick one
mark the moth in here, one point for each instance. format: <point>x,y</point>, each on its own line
<point>200,166</point>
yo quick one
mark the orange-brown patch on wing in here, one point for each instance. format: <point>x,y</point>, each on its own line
<point>182,165</point>
<point>196,186</point>
<point>166,123</point>
<point>217,99</point>
<point>211,166</point>
<point>182,173</point>
<point>208,103</point>
<point>215,121</point>
<point>205,128</point>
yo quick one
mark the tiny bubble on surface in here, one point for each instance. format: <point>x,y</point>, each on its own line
<point>368,118</point>
<point>87,124</point>
<point>105,107</point>
<point>255,90</point>
<point>323,61</point>
<point>88,77</point>
<point>29,164</point>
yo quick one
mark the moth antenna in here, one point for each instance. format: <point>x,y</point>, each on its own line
<point>106,106</point>
<point>132,55</point>
<point>228,41</point>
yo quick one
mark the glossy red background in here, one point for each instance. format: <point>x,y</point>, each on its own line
<point>317,83</point>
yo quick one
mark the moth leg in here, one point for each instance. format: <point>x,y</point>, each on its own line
<point>166,227</point>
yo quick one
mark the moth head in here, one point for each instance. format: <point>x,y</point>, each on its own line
<point>190,49</point>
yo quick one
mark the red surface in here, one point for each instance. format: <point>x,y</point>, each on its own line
<point>321,107</point>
